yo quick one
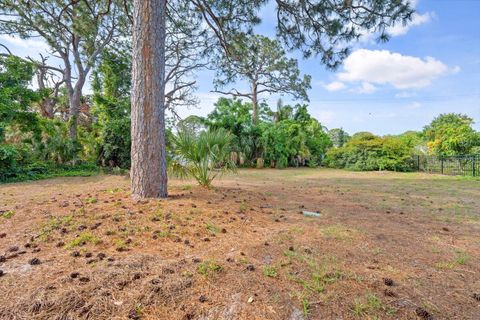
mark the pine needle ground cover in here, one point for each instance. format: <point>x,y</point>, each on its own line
<point>386,246</point>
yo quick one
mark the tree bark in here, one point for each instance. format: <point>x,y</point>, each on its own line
<point>254,104</point>
<point>47,104</point>
<point>74,97</point>
<point>149,165</point>
<point>74,108</point>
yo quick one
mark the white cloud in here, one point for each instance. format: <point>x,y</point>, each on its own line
<point>30,44</point>
<point>399,29</point>
<point>455,69</point>
<point>417,20</point>
<point>366,88</point>
<point>335,86</point>
<point>385,67</point>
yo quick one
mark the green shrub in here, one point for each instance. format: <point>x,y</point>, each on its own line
<point>9,156</point>
<point>45,170</point>
<point>365,151</point>
<point>202,156</point>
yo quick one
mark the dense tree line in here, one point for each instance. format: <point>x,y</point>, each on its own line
<point>78,32</point>
<point>33,144</point>
<point>58,125</point>
<point>447,135</point>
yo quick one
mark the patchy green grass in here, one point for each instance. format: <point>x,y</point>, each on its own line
<point>270,271</point>
<point>8,214</point>
<point>82,239</point>
<point>114,190</point>
<point>187,274</point>
<point>369,304</point>
<point>209,267</point>
<point>462,258</point>
<point>316,275</point>
<point>339,232</point>
<point>305,306</point>
<point>243,207</point>
<point>297,230</point>
<point>121,245</point>
<point>212,228</point>
<point>52,225</point>
<point>359,308</point>
<point>162,233</point>
<point>445,265</point>
<point>91,200</point>
<point>283,237</point>
<point>157,215</point>
<point>332,263</point>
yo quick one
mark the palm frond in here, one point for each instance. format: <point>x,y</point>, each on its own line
<point>203,156</point>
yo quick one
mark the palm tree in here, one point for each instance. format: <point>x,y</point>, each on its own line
<point>202,156</point>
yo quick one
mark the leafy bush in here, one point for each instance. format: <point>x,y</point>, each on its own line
<point>44,170</point>
<point>365,151</point>
<point>396,155</point>
<point>114,151</point>
<point>295,140</point>
<point>9,156</point>
<point>112,83</point>
<point>235,116</point>
<point>54,143</point>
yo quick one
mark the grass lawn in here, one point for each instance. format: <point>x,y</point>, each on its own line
<point>386,246</point>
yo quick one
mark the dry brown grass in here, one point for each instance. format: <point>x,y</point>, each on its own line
<point>243,250</point>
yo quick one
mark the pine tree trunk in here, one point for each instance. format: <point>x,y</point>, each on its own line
<point>254,104</point>
<point>149,165</point>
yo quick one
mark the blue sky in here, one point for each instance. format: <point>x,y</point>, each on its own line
<point>430,67</point>
<point>438,56</point>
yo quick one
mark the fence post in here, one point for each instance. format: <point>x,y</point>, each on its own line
<point>441,159</point>
<point>473,166</point>
<point>418,162</point>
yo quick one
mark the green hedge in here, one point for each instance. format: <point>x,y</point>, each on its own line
<point>37,171</point>
<point>367,152</point>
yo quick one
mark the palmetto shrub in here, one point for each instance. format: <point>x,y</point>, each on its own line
<point>202,156</point>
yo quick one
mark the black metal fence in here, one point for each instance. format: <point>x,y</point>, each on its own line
<point>468,165</point>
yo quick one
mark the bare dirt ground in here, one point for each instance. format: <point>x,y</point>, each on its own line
<point>386,246</point>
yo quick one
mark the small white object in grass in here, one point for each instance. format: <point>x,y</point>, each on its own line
<point>311,214</point>
<point>250,300</point>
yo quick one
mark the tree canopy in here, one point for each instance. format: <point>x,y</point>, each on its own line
<point>263,64</point>
<point>91,36</point>
<point>451,134</point>
<point>77,32</point>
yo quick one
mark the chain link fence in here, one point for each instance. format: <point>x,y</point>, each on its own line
<point>467,165</point>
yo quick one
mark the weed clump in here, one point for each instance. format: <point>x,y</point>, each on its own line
<point>91,200</point>
<point>213,229</point>
<point>82,239</point>
<point>270,271</point>
<point>209,267</point>
<point>462,258</point>
<point>8,214</point>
